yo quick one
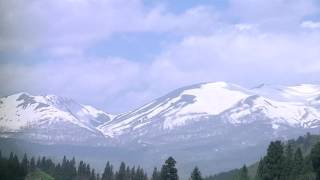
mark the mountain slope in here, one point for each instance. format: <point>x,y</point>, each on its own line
<point>289,106</point>
<point>200,124</point>
<point>50,118</point>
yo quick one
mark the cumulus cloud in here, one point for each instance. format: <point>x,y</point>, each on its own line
<point>91,80</point>
<point>243,57</point>
<point>247,42</point>
<point>310,24</point>
<point>79,24</point>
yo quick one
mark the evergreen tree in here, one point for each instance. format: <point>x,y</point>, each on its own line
<point>132,172</point>
<point>315,158</point>
<point>25,164</point>
<point>93,175</point>
<point>38,162</point>
<point>43,163</point>
<point>156,174</point>
<point>128,173</point>
<point>272,165</point>
<point>108,172</point>
<point>169,171</point>
<point>88,171</point>
<point>243,174</point>
<point>297,163</point>
<point>196,174</point>
<point>121,174</point>
<point>72,168</point>
<point>288,162</point>
<point>32,164</point>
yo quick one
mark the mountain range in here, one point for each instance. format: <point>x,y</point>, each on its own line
<point>200,124</point>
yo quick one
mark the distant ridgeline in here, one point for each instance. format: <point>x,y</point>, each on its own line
<point>292,160</point>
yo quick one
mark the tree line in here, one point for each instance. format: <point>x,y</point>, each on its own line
<point>285,163</point>
<point>292,160</point>
<point>11,168</point>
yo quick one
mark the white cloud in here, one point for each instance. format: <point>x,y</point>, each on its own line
<point>310,24</point>
<point>91,80</point>
<point>246,58</point>
<point>244,27</point>
<point>247,42</point>
<point>79,24</point>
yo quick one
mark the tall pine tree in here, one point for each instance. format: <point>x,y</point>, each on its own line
<point>196,174</point>
<point>108,172</point>
<point>315,158</point>
<point>272,165</point>
<point>169,171</point>
<point>297,164</point>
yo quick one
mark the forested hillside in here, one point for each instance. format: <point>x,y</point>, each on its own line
<point>295,159</point>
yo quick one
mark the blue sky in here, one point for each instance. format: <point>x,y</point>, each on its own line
<point>119,54</point>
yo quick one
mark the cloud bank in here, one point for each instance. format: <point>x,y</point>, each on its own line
<point>45,47</point>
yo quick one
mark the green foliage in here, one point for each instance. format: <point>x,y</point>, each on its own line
<point>243,174</point>
<point>272,165</point>
<point>315,158</point>
<point>297,164</point>
<point>45,169</point>
<point>230,175</point>
<point>38,175</point>
<point>298,161</point>
<point>11,168</point>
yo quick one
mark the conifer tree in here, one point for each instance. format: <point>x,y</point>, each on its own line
<point>243,174</point>
<point>121,175</point>
<point>288,162</point>
<point>315,158</point>
<point>297,163</point>
<point>156,174</point>
<point>25,164</point>
<point>128,173</point>
<point>108,172</point>
<point>38,162</point>
<point>132,172</point>
<point>88,171</point>
<point>92,175</point>
<point>196,174</point>
<point>272,165</point>
<point>169,171</point>
<point>32,164</point>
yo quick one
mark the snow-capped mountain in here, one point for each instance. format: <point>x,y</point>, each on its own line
<point>295,106</point>
<point>200,124</point>
<point>277,106</point>
<point>50,119</point>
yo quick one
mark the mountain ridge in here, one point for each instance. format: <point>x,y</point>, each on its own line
<point>204,123</point>
<point>295,106</point>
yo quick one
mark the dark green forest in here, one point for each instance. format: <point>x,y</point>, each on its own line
<point>43,168</point>
<point>291,160</point>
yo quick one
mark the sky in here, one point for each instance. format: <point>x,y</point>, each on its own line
<point>119,54</point>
